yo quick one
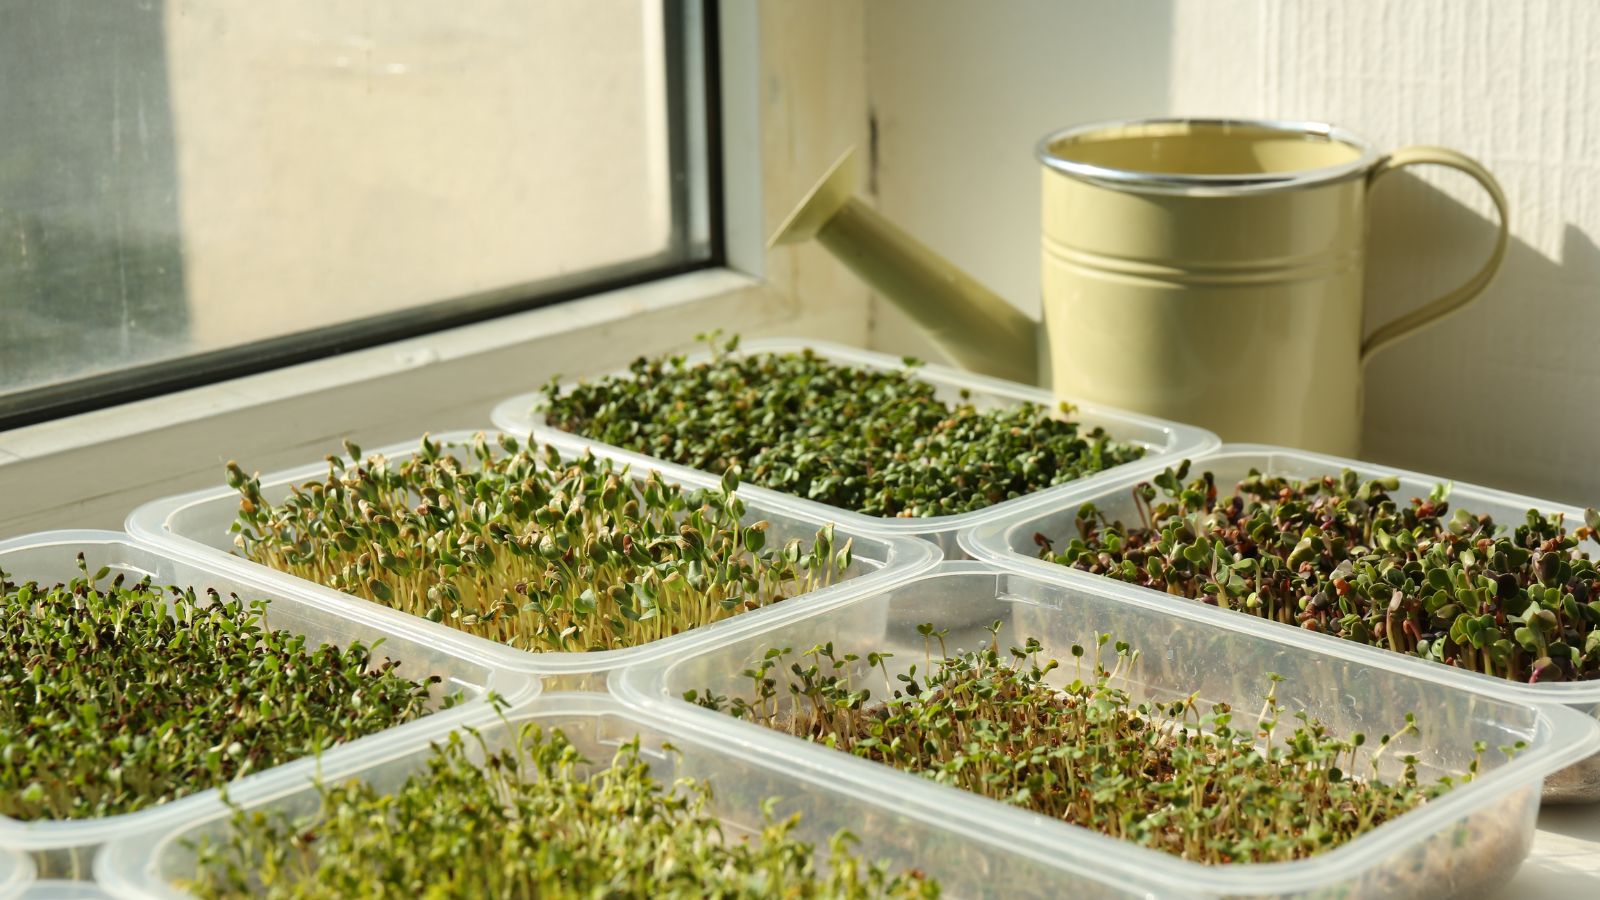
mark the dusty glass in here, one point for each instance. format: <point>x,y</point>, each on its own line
<point>196,184</point>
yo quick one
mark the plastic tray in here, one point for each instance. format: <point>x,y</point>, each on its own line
<point>1009,540</point>
<point>1470,839</point>
<point>55,889</point>
<point>1162,439</point>
<point>52,556</point>
<point>742,776</point>
<point>196,525</point>
<point>16,872</point>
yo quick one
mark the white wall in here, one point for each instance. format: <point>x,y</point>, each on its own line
<point>1502,394</point>
<point>961,91</point>
<point>1505,392</point>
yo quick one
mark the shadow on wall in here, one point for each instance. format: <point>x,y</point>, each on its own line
<point>1503,393</point>
<point>91,273</point>
<point>960,94</point>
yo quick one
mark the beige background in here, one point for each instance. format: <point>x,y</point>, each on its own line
<point>1502,394</point>
<point>338,158</point>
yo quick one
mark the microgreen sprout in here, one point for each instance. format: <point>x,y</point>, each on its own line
<point>527,548</point>
<point>533,820</point>
<point>876,442</point>
<point>1341,555</point>
<point>117,695</point>
<point>1174,776</point>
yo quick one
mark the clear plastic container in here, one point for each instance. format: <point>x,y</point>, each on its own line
<point>196,525</point>
<point>153,862</point>
<point>55,889</point>
<point>1161,439</point>
<point>1470,839</point>
<point>62,847</point>
<point>1009,540</point>
<point>16,873</point>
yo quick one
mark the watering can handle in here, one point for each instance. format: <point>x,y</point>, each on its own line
<point>1461,296</point>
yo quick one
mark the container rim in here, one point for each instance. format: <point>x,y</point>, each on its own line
<point>987,541</point>
<point>122,861</point>
<point>17,872</point>
<point>902,555</point>
<point>1212,185</point>
<point>1560,736</point>
<point>24,835</point>
<point>512,415</point>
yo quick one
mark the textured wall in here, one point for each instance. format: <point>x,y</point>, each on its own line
<point>1501,394</point>
<point>1504,392</point>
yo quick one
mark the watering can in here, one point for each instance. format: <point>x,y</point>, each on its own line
<point>1201,270</point>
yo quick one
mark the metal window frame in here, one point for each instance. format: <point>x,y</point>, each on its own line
<point>694,112</point>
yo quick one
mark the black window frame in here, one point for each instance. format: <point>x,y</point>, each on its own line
<point>147,380</point>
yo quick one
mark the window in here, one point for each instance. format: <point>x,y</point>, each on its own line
<point>194,190</point>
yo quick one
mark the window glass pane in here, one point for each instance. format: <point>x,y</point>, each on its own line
<point>183,176</point>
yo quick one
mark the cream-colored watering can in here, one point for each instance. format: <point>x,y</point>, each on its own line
<point>1206,271</point>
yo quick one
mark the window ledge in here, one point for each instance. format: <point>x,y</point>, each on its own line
<point>90,470</point>
<point>561,321</point>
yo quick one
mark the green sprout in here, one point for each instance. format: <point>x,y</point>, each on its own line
<point>876,442</point>
<point>1340,555</point>
<point>528,549</point>
<point>1173,776</point>
<point>532,820</point>
<point>115,697</point>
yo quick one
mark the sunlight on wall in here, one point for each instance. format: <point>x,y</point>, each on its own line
<point>1502,394</point>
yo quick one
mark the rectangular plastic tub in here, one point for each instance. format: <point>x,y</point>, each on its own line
<point>1161,439</point>
<point>1470,839</point>
<point>151,862</point>
<point>56,889</point>
<point>1009,540</point>
<point>16,874</point>
<point>196,525</point>
<point>51,557</point>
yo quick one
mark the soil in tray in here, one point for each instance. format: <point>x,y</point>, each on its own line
<point>1342,555</point>
<point>1174,777</point>
<point>531,819</point>
<point>517,545</point>
<point>867,440</point>
<point>117,696</point>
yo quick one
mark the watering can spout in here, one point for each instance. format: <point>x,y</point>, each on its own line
<point>974,325</point>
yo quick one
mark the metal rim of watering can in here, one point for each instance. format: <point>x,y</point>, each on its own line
<point>1179,183</point>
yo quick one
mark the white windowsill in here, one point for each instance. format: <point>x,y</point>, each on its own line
<point>791,104</point>
<point>90,470</point>
<point>548,323</point>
